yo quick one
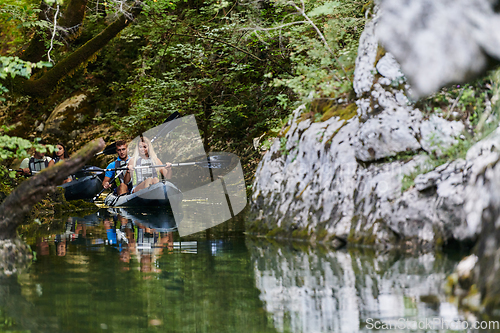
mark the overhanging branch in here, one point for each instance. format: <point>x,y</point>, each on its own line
<point>43,86</point>
<point>20,201</point>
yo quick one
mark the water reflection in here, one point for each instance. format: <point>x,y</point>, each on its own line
<point>128,271</point>
<point>313,290</point>
<point>122,273</point>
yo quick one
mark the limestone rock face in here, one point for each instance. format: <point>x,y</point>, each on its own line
<point>391,132</point>
<point>337,179</point>
<point>439,42</point>
<point>367,52</point>
<point>438,134</point>
<point>305,184</point>
<point>390,124</point>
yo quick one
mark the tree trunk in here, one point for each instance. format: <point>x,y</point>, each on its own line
<point>31,191</point>
<point>44,85</point>
<point>36,48</point>
<point>71,20</point>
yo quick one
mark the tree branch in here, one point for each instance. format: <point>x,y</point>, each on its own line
<point>43,86</point>
<point>223,42</point>
<point>31,191</point>
<point>71,17</point>
<point>320,34</point>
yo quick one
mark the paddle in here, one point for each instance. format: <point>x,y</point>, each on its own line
<point>110,181</point>
<point>169,127</point>
<point>111,149</point>
<point>217,164</point>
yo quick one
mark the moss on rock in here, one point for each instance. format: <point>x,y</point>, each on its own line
<point>344,112</point>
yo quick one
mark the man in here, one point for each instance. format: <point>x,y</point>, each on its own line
<point>36,163</point>
<point>121,162</point>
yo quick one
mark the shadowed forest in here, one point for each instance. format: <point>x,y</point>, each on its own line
<point>239,67</point>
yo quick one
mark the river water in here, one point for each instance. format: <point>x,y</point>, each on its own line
<point>111,272</point>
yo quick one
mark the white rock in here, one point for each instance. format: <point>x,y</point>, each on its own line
<point>387,134</point>
<point>389,68</point>
<point>438,42</point>
<point>438,134</point>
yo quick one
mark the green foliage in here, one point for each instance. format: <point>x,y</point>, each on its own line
<point>6,322</point>
<point>409,180</point>
<point>13,66</point>
<point>11,147</point>
<point>196,61</point>
<point>478,101</point>
<point>201,57</point>
<point>321,39</point>
<point>454,152</point>
<point>18,20</point>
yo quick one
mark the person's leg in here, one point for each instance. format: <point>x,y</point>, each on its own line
<point>140,186</point>
<point>122,189</point>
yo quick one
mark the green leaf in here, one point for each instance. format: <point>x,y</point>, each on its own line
<point>325,9</point>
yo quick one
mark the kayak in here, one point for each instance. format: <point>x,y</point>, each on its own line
<point>85,187</point>
<point>164,194</point>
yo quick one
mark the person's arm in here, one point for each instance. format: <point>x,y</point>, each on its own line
<point>51,162</point>
<point>105,182</point>
<point>166,171</point>
<point>108,175</point>
<point>128,173</point>
<point>25,167</point>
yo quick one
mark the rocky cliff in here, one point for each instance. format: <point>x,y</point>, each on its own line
<point>341,180</point>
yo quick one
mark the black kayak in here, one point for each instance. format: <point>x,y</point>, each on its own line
<point>157,218</point>
<point>85,186</point>
<point>162,194</point>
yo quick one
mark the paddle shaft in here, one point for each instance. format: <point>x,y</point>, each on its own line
<point>22,171</point>
<point>154,166</point>
<point>110,181</point>
<point>111,149</point>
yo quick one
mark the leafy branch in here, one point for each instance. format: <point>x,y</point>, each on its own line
<point>320,34</point>
<point>223,42</point>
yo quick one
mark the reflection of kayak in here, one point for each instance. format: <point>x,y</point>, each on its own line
<point>160,194</point>
<point>157,218</point>
<point>85,187</point>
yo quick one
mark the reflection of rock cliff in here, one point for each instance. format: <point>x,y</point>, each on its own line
<point>339,291</point>
<point>342,178</point>
<point>485,198</point>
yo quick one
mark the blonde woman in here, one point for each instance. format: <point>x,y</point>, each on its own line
<point>144,156</point>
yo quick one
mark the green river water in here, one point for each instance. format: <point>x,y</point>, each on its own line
<point>107,273</point>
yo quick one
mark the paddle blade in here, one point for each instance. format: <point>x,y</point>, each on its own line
<point>109,150</point>
<point>169,125</point>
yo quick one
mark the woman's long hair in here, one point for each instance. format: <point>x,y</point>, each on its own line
<point>65,155</point>
<point>151,152</point>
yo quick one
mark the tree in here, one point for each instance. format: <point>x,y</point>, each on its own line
<point>72,16</point>
<point>19,202</point>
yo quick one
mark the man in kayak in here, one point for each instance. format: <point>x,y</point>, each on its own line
<point>36,163</point>
<point>110,179</point>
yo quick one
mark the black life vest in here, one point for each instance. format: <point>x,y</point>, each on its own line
<point>38,165</point>
<point>121,176</point>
